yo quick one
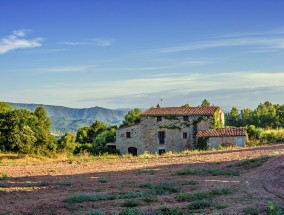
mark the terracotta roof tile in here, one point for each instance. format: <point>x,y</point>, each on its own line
<point>164,111</point>
<point>222,132</point>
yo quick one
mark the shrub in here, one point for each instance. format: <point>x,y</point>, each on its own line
<point>130,203</point>
<point>224,191</point>
<point>250,211</point>
<point>201,143</point>
<point>254,162</point>
<point>163,188</point>
<point>168,211</point>
<point>213,172</point>
<point>273,209</point>
<point>131,211</point>
<point>150,198</point>
<point>189,197</point>
<point>200,204</point>
<point>191,182</point>
<point>95,212</point>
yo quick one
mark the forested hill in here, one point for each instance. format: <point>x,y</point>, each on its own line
<point>71,119</point>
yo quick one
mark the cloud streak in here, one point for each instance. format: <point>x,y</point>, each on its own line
<point>272,43</point>
<point>236,88</point>
<point>18,40</point>
<point>94,41</point>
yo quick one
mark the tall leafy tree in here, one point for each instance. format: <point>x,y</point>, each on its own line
<point>205,103</point>
<point>4,107</point>
<point>132,117</point>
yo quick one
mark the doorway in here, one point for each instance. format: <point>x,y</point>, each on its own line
<point>132,150</point>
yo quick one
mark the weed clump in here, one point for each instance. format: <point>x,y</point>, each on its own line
<point>199,204</point>
<point>163,188</point>
<point>213,172</point>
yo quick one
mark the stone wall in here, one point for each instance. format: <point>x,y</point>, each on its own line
<point>123,143</point>
<point>239,141</point>
<point>144,136</point>
<point>174,127</point>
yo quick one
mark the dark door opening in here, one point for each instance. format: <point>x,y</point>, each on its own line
<point>162,151</point>
<point>132,150</point>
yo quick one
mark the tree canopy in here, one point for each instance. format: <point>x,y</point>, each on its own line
<point>266,115</point>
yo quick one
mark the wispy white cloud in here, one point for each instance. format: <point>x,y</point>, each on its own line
<point>272,43</point>
<point>145,91</point>
<point>94,41</point>
<point>103,42</point>
<point>18,40</point>
<point>62,69</point>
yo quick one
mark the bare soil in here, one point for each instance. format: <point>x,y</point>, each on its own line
<point>41,187</point>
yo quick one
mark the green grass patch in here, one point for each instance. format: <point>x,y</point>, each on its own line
<point>199,204</point>
<point>273,209</point>
<point>64,183</point>
<point>191,182</point>
<point>165,210</point>
<point>221,206</point>
<point>4,176</point>
<point>1,190</point>
<point>102,180</point>
<point>189,197</point>
<point>150,198</point>
<point>78,198</point>
<point>95,212</point>
<point>213,172</point>
<point>43,184</point>
<point>131,211</point>
<point>254,162</point>
<point>163,188</point>
<point>146,171</point>
<point>250,211</point>
<point>224,191</point>
<point>131,203</point>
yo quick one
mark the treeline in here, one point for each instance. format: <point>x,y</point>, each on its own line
<point>27,132</point>
<point>265,124</point>
<point>267,115</point>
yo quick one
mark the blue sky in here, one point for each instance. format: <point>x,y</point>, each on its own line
<point>120,53</point>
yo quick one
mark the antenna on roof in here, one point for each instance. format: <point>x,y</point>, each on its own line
<point>161,102</point>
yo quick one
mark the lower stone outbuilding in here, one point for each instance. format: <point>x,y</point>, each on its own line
<point>224,137</point>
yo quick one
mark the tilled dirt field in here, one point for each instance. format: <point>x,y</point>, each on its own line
<point>78,187</point>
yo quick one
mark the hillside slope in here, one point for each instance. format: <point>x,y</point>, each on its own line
<point>71,119</point>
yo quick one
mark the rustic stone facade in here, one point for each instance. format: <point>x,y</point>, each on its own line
<point>215,142</point>
<point>159,133</point>
<point>224,137</point>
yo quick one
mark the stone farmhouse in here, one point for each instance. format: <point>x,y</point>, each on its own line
<point>164,129</point>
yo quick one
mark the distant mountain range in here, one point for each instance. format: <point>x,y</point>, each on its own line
<point>71,119</point>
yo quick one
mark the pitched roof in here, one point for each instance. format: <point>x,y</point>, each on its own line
<point>222,132</point>
<point>164,111</point>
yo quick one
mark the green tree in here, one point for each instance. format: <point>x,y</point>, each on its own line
<point>232,118</point>
<point>132,117</point>
<point>4,107</point>
<point>67,143</point>
<point>186,105</point>
<point>205,103</point>
<point>16,133</point>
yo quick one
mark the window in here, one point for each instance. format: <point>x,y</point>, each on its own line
<point>162,151</point>
<point>185,118</point>
<point>161,136</point>
<point>128,135</point>
<point>159,118</point>
<point>184,135</point>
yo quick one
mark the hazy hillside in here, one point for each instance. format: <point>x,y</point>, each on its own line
<point>70,119</point>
